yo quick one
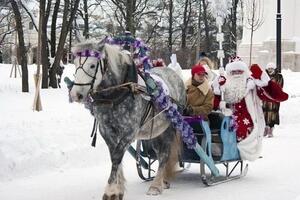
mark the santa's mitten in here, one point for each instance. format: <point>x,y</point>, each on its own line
<point>256,71</point>
<point>250,85</point>
<point>222,80</point>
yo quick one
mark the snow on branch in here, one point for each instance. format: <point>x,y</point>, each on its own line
<point>220,8</point>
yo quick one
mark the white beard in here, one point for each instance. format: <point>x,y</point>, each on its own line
<point>235,88</point>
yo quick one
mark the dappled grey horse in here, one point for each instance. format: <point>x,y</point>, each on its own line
<point>107,74</point>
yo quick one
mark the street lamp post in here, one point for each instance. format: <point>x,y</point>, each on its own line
<point>278,36</point>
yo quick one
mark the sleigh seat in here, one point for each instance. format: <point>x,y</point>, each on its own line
<point>215,136</point>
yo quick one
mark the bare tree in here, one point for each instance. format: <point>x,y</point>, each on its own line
<point>21,45</point>
<point>185,22</point>
<point>170,28</point>
<point>129,13</point>
<point>53,28</point>
<point>69,12</point>
<point>44,48</point>
<point>206,25</point>
<point>254,19</point>
<point>37,104</point>
<point>5,24</point>
<point>84,13</point>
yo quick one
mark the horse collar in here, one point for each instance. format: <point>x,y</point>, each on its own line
<point>110,98</point>
<point>116,94</point>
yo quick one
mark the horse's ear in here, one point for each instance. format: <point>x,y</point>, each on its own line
<point>100,45</point>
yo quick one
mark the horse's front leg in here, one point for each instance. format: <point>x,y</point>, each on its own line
<point>115,187</point>
<point>116,183</point>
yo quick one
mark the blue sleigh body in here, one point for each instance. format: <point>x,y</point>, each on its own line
<point>217,151</point>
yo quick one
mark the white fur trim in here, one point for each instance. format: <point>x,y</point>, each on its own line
<point>263,81</point>
<point>271,66</point>
<point>250,85</point>
<point>237,65</point>
<point>216,86</point>
<point>250,148</point>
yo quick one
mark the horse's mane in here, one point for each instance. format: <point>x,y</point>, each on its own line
<point>89,44</point>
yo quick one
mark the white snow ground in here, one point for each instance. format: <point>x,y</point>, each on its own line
<point>47,155</point>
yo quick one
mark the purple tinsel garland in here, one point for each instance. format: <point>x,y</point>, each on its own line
<point>140,54</point>
<point>88,53</point>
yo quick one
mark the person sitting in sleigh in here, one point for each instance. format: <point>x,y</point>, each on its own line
<point>199,93</point>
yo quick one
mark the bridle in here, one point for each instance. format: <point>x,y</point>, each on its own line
<point>100,64</point>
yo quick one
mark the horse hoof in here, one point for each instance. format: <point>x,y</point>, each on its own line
<point>167,185</point>
<point>154,191</point>
<point>113,197</point>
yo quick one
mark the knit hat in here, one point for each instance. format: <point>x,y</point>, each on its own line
<point>198,69</point>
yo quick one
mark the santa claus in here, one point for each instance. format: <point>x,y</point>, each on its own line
<point>238,93</point>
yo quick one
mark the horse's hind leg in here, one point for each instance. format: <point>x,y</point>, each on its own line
<point>162,147</point>
<point>170,168</point>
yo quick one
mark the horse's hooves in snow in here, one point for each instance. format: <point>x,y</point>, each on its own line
<point>166,185</point>
<point>113,197</point>
<point>154,191</point>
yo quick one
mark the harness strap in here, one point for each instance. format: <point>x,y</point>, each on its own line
<point>94,132</point>
<point>146,113</point>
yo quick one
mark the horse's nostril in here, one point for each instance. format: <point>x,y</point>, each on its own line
<point>80,96</point>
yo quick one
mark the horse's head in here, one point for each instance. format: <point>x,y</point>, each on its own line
<point>98,66</point>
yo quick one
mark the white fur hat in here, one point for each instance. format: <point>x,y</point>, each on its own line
<point>236,65</point>
<point>271,66</point>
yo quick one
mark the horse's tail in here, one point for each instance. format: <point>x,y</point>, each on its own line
<point>171,165</point>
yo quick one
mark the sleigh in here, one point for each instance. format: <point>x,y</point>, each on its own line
<point>217,139</point>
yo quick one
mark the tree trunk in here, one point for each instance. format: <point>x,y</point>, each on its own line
<point>206,26</point>
<point>170,30</point>
<point>86,33</point>
<point>44,42</point>
<point>129,16</point>
<point>184,25</point>
<point>53,28</point>
<point>63,35</point>
<point>21,46</point>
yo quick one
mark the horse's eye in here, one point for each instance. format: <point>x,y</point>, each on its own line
<point>93,66</point>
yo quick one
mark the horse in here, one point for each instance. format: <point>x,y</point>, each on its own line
<point>101,71</point>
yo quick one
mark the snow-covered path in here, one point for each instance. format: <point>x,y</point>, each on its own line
<point>47,155</point>
<point>275,177</point>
